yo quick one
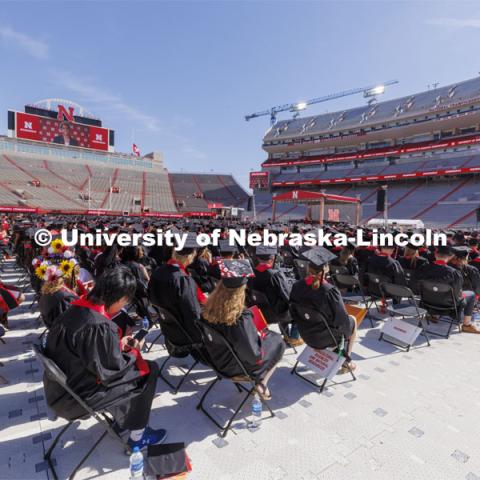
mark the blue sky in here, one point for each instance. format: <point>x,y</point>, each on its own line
<point>179,77</point>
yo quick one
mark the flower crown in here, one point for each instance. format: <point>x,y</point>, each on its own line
<point>57,261</point>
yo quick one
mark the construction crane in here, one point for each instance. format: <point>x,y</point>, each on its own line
<point>370,91</point>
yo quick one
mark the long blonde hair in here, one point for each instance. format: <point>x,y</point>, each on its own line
<point>224,305</point>
<point>50,287</point>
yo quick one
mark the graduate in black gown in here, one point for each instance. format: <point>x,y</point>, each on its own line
<point>382,263</point>
<point>259,351</point>
<point>440,271</point>
<point>100,366</point>
<point>470,275</point>
<point>411,259</point>
<point>173,288</point>
<point>316,293</point>
<point>199,269</point>
<point>275,286</point>
<point>346,261</point>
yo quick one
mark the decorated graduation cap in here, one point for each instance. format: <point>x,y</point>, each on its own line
<point>318,256</point>
<point>235,273</point>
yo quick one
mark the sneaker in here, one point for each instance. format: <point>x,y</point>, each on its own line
<point>470,328</point>
<point>150,437</point>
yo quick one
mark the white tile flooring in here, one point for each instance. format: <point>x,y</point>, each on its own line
<point>409,415</point>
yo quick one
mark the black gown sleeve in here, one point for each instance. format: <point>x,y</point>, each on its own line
<point>103,357</point>
<point>474,276</point>
<point>341,321</point>
<point>246,340</point>
<point>281,286</point>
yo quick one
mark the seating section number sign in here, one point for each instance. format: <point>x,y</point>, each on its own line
<point>323,362</point>
<point>401,331</point>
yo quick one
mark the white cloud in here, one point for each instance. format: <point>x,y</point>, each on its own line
<point>34,47</point>
<point>455,22</point>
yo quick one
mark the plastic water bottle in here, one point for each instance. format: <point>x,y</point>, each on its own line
<point>145,323</point>
<point>136,463</point>
<point>254,422</point>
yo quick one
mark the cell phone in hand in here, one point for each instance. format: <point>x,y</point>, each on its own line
<point>141,334</point>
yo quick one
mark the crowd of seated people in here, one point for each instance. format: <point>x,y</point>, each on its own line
<point>84,294</point>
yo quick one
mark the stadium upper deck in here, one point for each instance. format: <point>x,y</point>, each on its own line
<point>57,178</point>
<point>427,116</point>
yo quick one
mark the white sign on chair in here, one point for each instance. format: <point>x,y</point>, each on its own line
<point>323,362</point>
<point>404,332</point>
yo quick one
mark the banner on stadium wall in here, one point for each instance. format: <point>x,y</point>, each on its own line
<point>378,152</point>
<point>394,176</point>
<point>18,209</point>
<point>215,205</point>
<point>100,213</point>
<point>61,131</point>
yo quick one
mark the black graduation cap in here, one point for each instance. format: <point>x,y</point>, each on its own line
<point>137,227</point>
<point>411,246</point>
<point>461,251</point>
<point>263,250</point>
<point>225,247</point>
<point>190,242</point>
<point>318,256</point>
<point>444,249</point>
<point>235,273</point>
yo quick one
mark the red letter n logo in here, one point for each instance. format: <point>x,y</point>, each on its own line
<point>63,114</point>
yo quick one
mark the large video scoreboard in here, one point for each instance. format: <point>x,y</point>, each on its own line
<point>61,127</point>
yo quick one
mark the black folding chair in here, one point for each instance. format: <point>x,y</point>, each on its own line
<point>338,270</point>
<point>217,340</point>
<point>287,258</point>
<point>355,292</point>
<point>408,309</point>
<point>179,344</point>
<point>300,267</point>
<point>154,323</point>
<point>439,299</point>
<point>307,317</point>
<point>55,374</point>
<point>259,299</point>
<point>374,280</point>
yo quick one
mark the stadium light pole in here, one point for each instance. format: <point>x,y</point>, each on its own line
<point>385,208</point>
<point>89,192</point>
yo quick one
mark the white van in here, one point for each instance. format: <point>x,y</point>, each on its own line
<point>393,222</point>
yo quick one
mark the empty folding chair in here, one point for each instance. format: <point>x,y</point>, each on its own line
<point>408,308</point>
<point>354,289</point>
